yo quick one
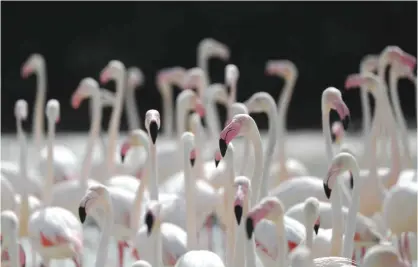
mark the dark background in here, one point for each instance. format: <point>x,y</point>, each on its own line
<point>325,40</point>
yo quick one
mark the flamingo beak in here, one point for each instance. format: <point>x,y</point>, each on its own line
<point>82,214</point>
<point>222,147</point>
<point>249,227</point>
<point>153,131</point>
<point>149,222</point>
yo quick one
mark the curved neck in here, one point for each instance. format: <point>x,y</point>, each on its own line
<point>350,225</point>
<point>271,145</point>
<point>232,98</point>
<point>200,150</point>
<point>231,223</point>
<point>240,246</point>
<point>283,106</point>
<point>181,110</point>
<point>167,97</point>
<point>47,194</point>
<point>131,109</point>
<point>281,231</point>
<point>101,257</point>
<point>213,120</point>
<point>337,221</point>
<point>203,63</point>
<point>326,131</point>
<point>23,168</point>
<point>38,115</point>
<point>254,136</point>
<point>113,129</point>
<point>245,158</point>
<point>309,235</point>
<point>393,82</point>
<point>190,185</point>
<point>95,126</point>
<point>365,106</point>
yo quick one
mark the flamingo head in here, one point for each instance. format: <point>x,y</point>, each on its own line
<point>112,70</point>
<point>135,77</point>
<point>231,74</point>
<point>259,102</point>
<point>210,47</point>
<point>218,157</point>
<point>194,79</point>
<point>311,212</point>
<point>152,216</point>
<point>85,89</point>
<point>332,99</point>
<point>53,110</point>
<point>193,157</point>
<point>137,138</point>
<point>242,186</point>
<point>337,132</point>
<point>95,195</point>
<point>174,75</point>
<point>340,163</point>
<point>152,124</point>
<point>21,109</point>
<point>369,63</point>
<point>395,53</point>
<point>238,125</point>
<point>383,255</point>
<point>268,208</point>
<point>403,71</point>
<point>282,68</point>
<point>34,63</point>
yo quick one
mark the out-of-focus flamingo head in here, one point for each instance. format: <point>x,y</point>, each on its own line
<point>35,62</point>
<point>193,155</point>
<point>332,99</point>
<point>369,63</point>
<point>282,68</point>
<point>53,110</point>
<point>174,75</point>
<point>112,70</point>
<point>210,47</point>
<point>136,77</point>
<point>232,130</point>
<point>337,132</point>
<point>152,124</point>
<point>395,53</point>
<point>242,187</point>
<point>85,89</point>
<point>231,74</point>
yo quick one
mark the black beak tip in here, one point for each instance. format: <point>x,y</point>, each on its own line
<point>153,131</point>
<point>82,214</point>
<point>316,228</point>
<point>222,147</point>
<point>238,213</point>
<point>149,221</point>
<point>351,181</point>
<point>346,122</point>
<point>122,156</point>
<point>327,190</point>
<point>216,163</point>
<point>333,137</point>
<point>192,161</point>
<point>249,227</point>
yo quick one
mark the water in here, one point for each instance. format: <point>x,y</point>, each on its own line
<point>306,146</point>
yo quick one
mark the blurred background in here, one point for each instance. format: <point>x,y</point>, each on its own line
<point>325,40</point>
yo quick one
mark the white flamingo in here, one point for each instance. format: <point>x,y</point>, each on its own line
<point>135,79</point>
<point>287,167</point>
<point>383,255</point>
<point>65,161</point>
<point>200,258</point>
<point>208,48</point>
<point>54,232</point>
<point>12,253</point>
<point>141,263</point>
<point>302,257</point>
<point>99,196</point>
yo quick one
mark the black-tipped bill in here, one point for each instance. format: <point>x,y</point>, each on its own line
<point>217,163</point>
<point>346,122</point>
<point>351,181</point>
<point>238,213</point>
<point>249,227</point>
<point>316,228</point>
<point>149,222</point>
<point>327,190</point>
<point>222,147</point>
<point>153,131</point>
<point>333,137</point>
<point>82,214</point>
<point>192,161</point>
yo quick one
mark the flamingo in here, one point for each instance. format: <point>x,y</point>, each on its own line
<point>54,232</point>
<point>99,195</point>
<point>200,258</point>
<point>302,257</point>
<point>135,79</point>
<point>12,253</point>
<point>168,245</point>
<point>141,263</point>
<point>65,161</point>
<point>382,255</point>
<point>207,48</point>
<point>66,194</point>
<point>287,167</point>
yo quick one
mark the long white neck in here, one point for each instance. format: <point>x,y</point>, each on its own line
<point>14,248</point>
<point>240,245</point>
<point>232,98</point>
<point>393,82</point>
<point>281,231</point>
<point>181,110</point>
<point>47,194</point>
<point>154,171</point>
<point>350,225</point>
<point>255,137</point>
<point>212,118</point>
<point>101,257</point>
<point>309,234</point>
<point>326,131</point>
<point>203,62</point>
<point>250,250</point>
<point>271,145</point>
<point>131,109</point>
<point>23,168</point>
<point>38,115</point>
<point>229,200</point>
<point>166,91</point>
<point>283,106</point>
<point>200,170</point>
<point>337,221</point>
<point>113,129</point>
<point>95,126</point>
<point>365,107</point>
<point>190,190</point>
